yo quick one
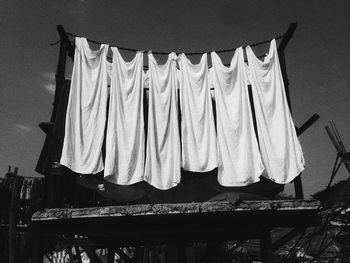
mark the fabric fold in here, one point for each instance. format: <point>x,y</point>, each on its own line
<point>239,157</point>
<point>199,151</point>
<point>86,111</point>
<point>125,138</point>
<point>163,153</point>
<point>279,145</point>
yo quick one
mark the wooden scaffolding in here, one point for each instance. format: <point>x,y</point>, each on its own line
<point>114,227</point>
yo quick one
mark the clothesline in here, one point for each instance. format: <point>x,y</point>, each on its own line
<point>166,53</point>
<point>181,131</point>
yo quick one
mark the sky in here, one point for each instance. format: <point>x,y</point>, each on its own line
<point>317,60</point>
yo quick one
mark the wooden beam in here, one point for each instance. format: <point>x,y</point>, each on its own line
<point>38,250</point>
<point>288,35</point>
<point>46,127</point>
<point>78,254</point>
<point>308,124</point>
<point>298,186</point>
<point>147,224</point>
<point>123,256</point>
<point>111,255</point>
<point>176,209</point>
<point>286,238</point>
<point>266,246</point>
<point>286,38</point>
<point>64,37</point>
<point>92,255</point>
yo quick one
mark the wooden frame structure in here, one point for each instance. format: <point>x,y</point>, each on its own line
<point>117,226</point>
<point>66,48</point>
<point>136,225</point>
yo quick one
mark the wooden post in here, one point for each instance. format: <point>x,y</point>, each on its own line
<point>38,250</point>
<point>53,196</point>
<point>266,247</point>
<point>213,251</point>
<point>111,255</point>
<point>78,255</point>
<point>122,255</point>
<point>90,251</point>
<point>12,237</point>
<point>286,38</point>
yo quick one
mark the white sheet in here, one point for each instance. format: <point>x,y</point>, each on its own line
<point>240,160</point>
<point>125,138</point>
<point>279,145</point>
<point>199,150</point>
<point>163,153</point>
<point>86,110</point>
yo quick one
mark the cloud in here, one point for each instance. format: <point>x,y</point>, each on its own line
<point>22,128</point>
<point>50,88</point>
<point>48,82</point>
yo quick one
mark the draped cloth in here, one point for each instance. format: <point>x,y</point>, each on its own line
<point>86,110</point>
<point>199,151</point>
<point>279,145</point>
<point>125,136</point>
<point>239,157</point>
<point>163,153</point>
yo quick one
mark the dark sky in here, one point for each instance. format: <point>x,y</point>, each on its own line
<point>317,60</point>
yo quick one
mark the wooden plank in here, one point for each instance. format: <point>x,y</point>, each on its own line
<point>164,223</point>
<point>168,209</point>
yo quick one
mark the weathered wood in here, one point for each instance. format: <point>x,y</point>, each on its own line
<point>92,255</point>
<point>38,248</point>
<point>266,246</point>
<point>166,209</point>
<point>288,35</point>
<point>307,124</point>
<point>298,186</point>
<point>148,224</point>
<point>111,255</point>
<point>123,256</point>
<point>78,254</point>
<point>286,238</point>
<point>64,38</point>
<point>286,38</point>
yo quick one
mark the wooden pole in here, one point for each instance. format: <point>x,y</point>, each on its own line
<point>12,237</point>
<point>78,255</point>
<point>266,247</point>
<point>111,255</point>
<point>298,186</point>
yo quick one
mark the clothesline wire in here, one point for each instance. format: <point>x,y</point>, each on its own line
<point>166,53</point>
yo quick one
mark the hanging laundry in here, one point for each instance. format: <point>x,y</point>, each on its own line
<point>199,150</point>
<point>279,145</point>
<point>163,153</point>
<point>125,139</point>
<point>239,157</point>
<point>86,111</point>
